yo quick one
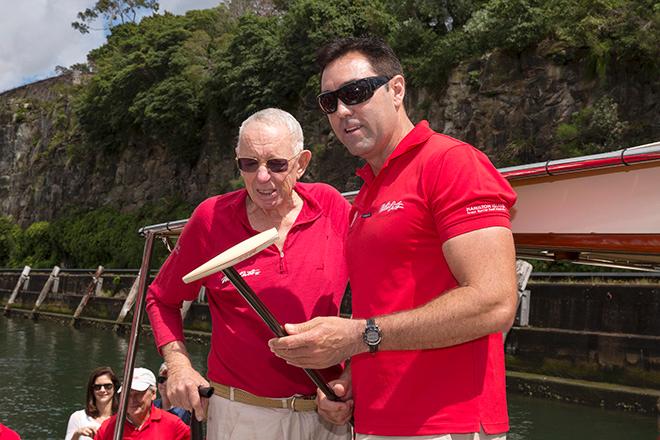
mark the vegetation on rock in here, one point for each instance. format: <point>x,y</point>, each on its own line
<point>181,81</point>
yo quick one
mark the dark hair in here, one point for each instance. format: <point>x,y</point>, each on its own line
<point>90,406</point>
<point>381,56</point>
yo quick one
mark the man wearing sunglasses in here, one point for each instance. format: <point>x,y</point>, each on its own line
<point>164,402</point>
<point>431,263</point>
<point>301,276</point>
<point>143,420</point>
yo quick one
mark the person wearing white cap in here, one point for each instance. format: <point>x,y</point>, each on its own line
<point>143,420</point>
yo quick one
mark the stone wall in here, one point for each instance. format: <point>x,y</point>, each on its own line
<point>599,332</point>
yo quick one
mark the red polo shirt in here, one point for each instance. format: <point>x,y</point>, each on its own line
<point>8,434</point>
<point>307,279</point>
<point>431,188</point>
<point>159,425</point>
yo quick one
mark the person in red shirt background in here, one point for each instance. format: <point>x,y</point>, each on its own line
<point>431,263</point>
<point>302,275</point>
<point>143,420</point>
<point>8,434</point>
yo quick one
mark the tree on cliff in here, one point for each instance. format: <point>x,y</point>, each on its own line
<point>186,82</point>
<point>113,11</point>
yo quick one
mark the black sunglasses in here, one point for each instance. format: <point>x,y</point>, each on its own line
<point>161,379</point>
<point>352,93</point>
<point>107,386</point>
<point>250,165</point>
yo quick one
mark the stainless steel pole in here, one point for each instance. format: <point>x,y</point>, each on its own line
<point>135,332</point>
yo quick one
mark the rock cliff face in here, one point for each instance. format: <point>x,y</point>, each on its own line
<point>40,177</point>
<point>508,106</point>
<point>511,106</point>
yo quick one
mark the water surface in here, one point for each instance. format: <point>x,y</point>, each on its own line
<point>44,368</point>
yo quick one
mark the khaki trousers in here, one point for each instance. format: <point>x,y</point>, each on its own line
<point>229,420</point>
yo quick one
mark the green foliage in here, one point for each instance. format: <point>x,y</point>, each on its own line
<point>35,247</point>
<point>244,81</point>
<point>508,24</point>
<point>20,116</point>
<point>150,81</point>
<point>112,11</point>
<point>567,132</point>
<point>172,80</point>
<point>309,24</point>
<point>108,237</point>
<point>262,45</point>
<point>58,110</point>
<point>610,29</point>
<point>516,152</point>
<point>429,39</point>
<point>592,130</point>
<point>8,235</point>
<point>102,236</point>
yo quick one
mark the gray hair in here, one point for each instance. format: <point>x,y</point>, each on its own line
<point>276,116</point>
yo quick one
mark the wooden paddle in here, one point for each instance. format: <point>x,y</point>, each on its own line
<point>225,262</point>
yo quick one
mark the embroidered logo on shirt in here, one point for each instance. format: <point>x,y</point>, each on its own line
<point>485,207</point>
<point>390,206</point>
<point>243,273</point>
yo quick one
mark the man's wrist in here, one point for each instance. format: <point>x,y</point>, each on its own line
<point>358,340</point>
<point>176,356</point>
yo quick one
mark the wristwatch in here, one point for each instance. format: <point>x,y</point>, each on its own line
<point>372,335</point>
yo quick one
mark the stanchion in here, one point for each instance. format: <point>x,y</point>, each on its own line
<point>135,332</point>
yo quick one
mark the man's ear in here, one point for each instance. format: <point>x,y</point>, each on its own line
<point>303,160</point>
<point>398,87</point>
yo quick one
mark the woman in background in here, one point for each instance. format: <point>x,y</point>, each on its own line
<point>102,402</point>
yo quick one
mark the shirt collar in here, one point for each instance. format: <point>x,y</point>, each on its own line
<point>155,414</point>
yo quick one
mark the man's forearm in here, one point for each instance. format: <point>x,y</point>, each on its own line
<point>176,355</point>
<point>458,316</point>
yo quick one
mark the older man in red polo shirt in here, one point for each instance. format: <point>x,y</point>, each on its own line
<point>143,420</point>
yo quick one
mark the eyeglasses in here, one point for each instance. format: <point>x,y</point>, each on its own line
<point>352,93</point>
<point>107,386</point>
<point>250,165</point>
<point>161,379</point>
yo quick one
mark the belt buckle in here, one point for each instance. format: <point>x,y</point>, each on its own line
<point>293,403</point>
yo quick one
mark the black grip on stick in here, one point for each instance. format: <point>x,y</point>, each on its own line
<point>246,292</point>
<point>196,425</point>
<point>205,391</point>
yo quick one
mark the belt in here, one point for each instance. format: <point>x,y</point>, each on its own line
<point>294,403</point>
